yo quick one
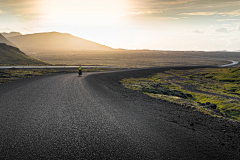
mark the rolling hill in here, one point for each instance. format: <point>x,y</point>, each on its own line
<point>10,55</point>
<point>4,40</point>
<point>55,40</point>
<point>11,34</point>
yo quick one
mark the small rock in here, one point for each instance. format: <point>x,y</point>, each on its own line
<point>189,95</point>
<point>207,103</point>
<point>188,107</point>
<point>213,106</point>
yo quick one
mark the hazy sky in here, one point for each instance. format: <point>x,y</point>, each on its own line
<point>131,24</point>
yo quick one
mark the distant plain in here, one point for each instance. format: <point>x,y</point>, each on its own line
<point>130,58</point>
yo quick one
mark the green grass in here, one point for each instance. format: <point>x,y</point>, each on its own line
<point>8,75</point>
<point>223,81</point>
<point>172,82</point>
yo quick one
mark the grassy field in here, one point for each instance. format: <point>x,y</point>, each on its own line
<point>8,75</point>
<point>212,91</point>
<point>128,58</point>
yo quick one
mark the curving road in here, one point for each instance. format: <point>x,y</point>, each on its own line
<point>94,117</point>
<point>233,63</point>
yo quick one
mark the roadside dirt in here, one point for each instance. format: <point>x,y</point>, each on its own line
<point>225,133</point>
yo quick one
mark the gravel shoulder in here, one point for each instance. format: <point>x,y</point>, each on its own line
<point>224,133</point>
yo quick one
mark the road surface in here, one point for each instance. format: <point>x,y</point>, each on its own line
<point>233,63</point>
<point>94,117</point>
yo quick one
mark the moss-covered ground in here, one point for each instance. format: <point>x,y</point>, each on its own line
<point>213,91</point>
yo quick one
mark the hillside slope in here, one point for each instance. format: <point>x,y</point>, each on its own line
<point>4,40</point>
<point>10,55</point>
<point>11,34</point>
<point>55,40</point>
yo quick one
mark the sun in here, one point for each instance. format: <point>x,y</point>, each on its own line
<point>83,11</point>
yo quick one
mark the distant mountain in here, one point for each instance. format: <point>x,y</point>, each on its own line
<point>10,55</point>
<point>11,34</point>
<point>4,40</point>
<point>55,40</point>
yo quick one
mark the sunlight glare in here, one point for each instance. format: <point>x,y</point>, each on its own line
<point>90,11</point>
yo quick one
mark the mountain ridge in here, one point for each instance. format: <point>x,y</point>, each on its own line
<point>6,41</point>
<point>10,55</point>
<point>11,34</point>
<point>55,40</point>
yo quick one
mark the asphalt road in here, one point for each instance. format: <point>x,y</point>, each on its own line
<point>94,117</point>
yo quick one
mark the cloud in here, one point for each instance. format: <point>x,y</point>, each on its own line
<point>167,18</point>
<point>20,7</point>
<point>178,2</point>
<point>231,40</point>
<point>145,12</point>
<point>226,30</point>
<point>141,12</point>
<point>5,29</point>
<point>199,13</point>
<point>233,13</point>
<point>239,28</point>
<point>222,30</point>
<point>198,31</point>
<point>29,29</point>
<point>187,7</point>
<point>0,11</point>
<point>19,2</point>
<point>227,20</point>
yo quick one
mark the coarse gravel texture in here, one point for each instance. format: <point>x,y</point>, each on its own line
<point>66,116</point>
